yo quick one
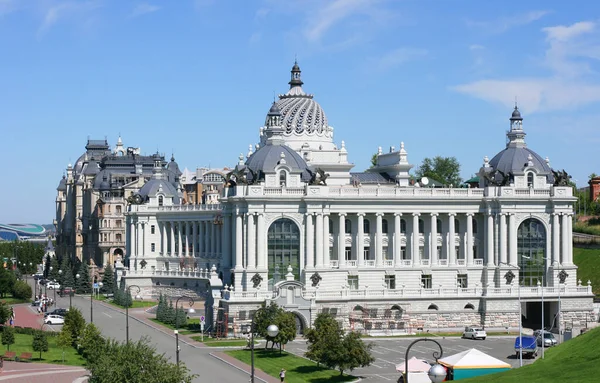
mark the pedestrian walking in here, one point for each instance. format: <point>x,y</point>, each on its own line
<point>282,374</point>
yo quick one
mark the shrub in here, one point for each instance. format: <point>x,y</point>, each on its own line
<point>21,290</point>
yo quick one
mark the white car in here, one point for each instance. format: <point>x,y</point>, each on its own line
<point>54,319</point>
<point>474,333</point>
<point>53,285</point>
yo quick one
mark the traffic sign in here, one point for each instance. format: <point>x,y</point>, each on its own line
<point>202,318</point>
<point>96,285</point>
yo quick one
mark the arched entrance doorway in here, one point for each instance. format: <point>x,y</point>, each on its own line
<point>299,324</point>
<point>283,249</point>
<point>531,252</point>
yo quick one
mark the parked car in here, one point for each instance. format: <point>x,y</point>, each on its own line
<point>54,319</point>
<point>548,338</point>
<point>60,312</point>
<point>65,291</point>
<point>526,344</point>
<point>53,285</point>
<point>37,277</point>
<point>42,281</point>
<point>474,333</point>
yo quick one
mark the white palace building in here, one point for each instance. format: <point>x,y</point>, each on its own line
<point>382,254</point>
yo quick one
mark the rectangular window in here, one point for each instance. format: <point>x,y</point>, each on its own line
<point>426,281</point>
<point>366,252</point>
<point>152,247</point>
<point>403,253</point>
<point>152,229</point>
<point>390,282</point>
<point>332,254</point>
<point>421,252</point>
<point>462,281</point>
<point>439,252</point>
<point>348,253</point>
<point>386,253</point>
<point>118,223</point>
<point>353,282</point>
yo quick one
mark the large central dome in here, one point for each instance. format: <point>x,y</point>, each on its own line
<point>300,113</point>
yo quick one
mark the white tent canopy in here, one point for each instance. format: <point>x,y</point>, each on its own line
<point>473,358</point>
<point>414,365</point>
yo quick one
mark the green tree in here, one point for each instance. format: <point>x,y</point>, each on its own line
<point>74,324</point>
<point>5,312</point>
<point>135,362</point>
<point>91,342</point>
<point>180,320</point>
<point>8,336</point>
<point>160,309</point>
<point>47,263</point>
<point>286,322</point>
<point>170,314</point>
<point>40,342</point>
<point>263,319</point>
<point>64,340</point>
<point>108,280</point>
<point>445,170</point>
<point>53,271</point>
<point>84,283</point>
<point>356,353</point>
<point>374,160</point>
<point>323,339</point>
<point>273,314</point>
<point>66,278</point>
<point>7,281</point>
<point>22,290</point>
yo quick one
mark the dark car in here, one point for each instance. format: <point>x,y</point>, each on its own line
<point>61,312</point>
<point>65,291</point>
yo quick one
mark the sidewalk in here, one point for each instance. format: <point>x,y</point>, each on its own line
<point>230,360</point>
<point>27,316</point>
<point>17,372</point>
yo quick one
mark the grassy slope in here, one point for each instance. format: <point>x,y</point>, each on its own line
<point>54,354</point>
<point>576,360</point>
<point>299,370</point>
<point>588,261</point>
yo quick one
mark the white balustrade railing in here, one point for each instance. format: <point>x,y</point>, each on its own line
<point>425,262</point>
<point>388,263</point>
<point>351,263</point>
<point>406,263</point>
<point>443,262</point>
<point>478,262</point>
<point>334,263</point>
<point>460,262</point>
<point>369,263</point>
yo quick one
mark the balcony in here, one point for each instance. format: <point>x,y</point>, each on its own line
<point>443,262</point>
<point>351,263</point>
<point>425,262</point>
<point>369,263</point>
<point>478,262</point>
<point>388,263</point>
<point>334,263</point>
<point>461,262</point>
<point>406,263</point>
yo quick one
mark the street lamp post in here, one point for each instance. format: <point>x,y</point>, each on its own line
<point>77,276</point>
<point>127,310</point>
<point>92,301</point>
<point>272,331</point>
<point>520,314</point>
<point>190,311</point>
<point>437,373</point>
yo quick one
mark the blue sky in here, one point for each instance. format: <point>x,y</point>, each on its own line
<point>196,78</point>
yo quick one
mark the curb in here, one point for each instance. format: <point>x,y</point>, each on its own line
<point>236,367</point>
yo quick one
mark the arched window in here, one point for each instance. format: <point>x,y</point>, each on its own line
<point>282,178</point>
<point>421,227</point>
<point>348,226</point>
<point>456,226</point>
<point>432,307</point>
<point>439,226</point>
<point>530,178</point>
<point>403,226</point>
<point>366,226</point>
<point>384,226</point>
<point>283,247</point>
<point>531,252</point>
<point>160,200</point>
<point>118,209</point>
<point>469,306</point>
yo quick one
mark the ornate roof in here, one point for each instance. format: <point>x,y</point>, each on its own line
<point>300,113</point>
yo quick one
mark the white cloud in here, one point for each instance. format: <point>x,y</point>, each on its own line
<point>503,24</point>
<point>570,84</point>
<point>66,10</point>
<point>395,57</point>
<point>476,47</point>
<point>144,8</point>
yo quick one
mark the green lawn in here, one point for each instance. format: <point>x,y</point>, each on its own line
<point>182,330</point>
<point>13,301</point>
<point>588,261</point>
<point>576,360</point>
<point>212,342</point>
<point>299,370</point>
<point>135,304</point>
<point>54,354</point>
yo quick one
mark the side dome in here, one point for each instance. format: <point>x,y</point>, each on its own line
<point>267,158</point>
<point>515,159</point>
<point>154,186</point>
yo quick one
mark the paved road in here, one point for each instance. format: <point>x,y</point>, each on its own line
<point>391,351</point>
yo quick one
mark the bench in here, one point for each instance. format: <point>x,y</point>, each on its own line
<point>9,355</point>
<point>25,357</point>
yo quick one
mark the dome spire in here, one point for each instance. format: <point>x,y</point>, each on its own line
<point>296,78</point>
<point>515,137</point>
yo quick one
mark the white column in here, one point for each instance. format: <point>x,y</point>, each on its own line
<point>469,252</point>
<point>163,238</point>
<point>194,236</point>
<point>360,240</point>
<point>172,225</point>
<point>569,238</point>
<point>207,238</point>
<point>261,242</point>
<point>201,252</point>
<point>187,238</point>
<point>310,241</point>
<point>451,241</point>
<point>433,240</point>
<point>180,239</point>
<point>564,259</point>
<point>325,254</point>
<point>226,241</point>
<point>251,230</point>
<point>512,239</point>
<point>143,239</point>
<point>213,239</point>
<point>379,240</point>
<point>490,239</point>
<point>416,258</point>
<point>397,244</point>
<point>239,227</point>
<point>218,233</point>
<point>319,239</point>
<point>555,239</point>
<point>341,243</point>
<point>503,236</point>
<point>131,239</point>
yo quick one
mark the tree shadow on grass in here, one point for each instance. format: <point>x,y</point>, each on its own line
<point>307,370</point>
